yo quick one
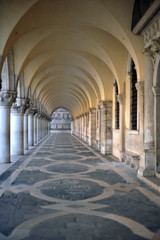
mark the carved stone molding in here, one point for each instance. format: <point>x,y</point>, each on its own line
<point>152,32</point>
<point>7,98</point>
<point>156,91</point>
<point>20,106</point>
<point>121,98</point>
<point>105,104</point>
<point>92,110</point>
<point>140,87</point>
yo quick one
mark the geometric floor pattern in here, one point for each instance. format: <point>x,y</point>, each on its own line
<point>65,190</point>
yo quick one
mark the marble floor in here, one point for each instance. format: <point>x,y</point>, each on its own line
<point>64,190</point>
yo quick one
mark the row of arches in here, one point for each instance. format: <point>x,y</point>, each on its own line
<point>87,57</point>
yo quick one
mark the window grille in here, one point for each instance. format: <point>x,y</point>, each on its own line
<point>133,96</point>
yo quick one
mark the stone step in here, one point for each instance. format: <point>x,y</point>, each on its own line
<point>131,159</point>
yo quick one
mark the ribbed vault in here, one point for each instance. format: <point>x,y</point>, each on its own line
<point>70,51</point>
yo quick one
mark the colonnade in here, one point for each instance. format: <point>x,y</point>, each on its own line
<point>21,125</point>
<point>95,127</point>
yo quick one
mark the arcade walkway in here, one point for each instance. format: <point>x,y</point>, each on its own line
<point>64,190</point>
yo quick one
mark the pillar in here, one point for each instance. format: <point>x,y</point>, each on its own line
<point>147,161</point>
<point>25,123</point>
<point>38,127</point>
<point>156,91</point>
<point>48,127</point>
<point>26,131</point>
<point>121,99</point>
<point>17,128</point>
<point>72,125</point>
<point>6,99</point>
<point>98,129</point>
<point>30,130</point>
<point>106,127</point>
<point>35,128</point>
<point>85,127</point>
<point>92,126</point>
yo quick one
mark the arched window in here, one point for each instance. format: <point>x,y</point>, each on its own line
<point>116,106</point>
<point>133,96</point>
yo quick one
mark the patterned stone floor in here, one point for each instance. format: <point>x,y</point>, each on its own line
<point>64,190</point>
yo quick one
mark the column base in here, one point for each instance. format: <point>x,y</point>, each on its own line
<point>145,173</point>
<point>105,150</point>
<point>147,163</point>
<point>5,160</point>
<point>91,142</point>
<point>17,153</point>
<point>106,147</point>
<point>121,159</point>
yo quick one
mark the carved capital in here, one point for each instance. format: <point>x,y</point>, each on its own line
<point>20,106</point>
<point>91,110</point>
<point>129,74</point>
<point>156,91</point>
<point>103,104</point>
<point>155,46</point>
<point>121,98</point>
<point>7,98</point>
<point>140,86</point>
<point>148,52</point>
<point>153,50</point>
<point>152,31</point>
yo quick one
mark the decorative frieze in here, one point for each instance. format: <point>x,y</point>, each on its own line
<point>152,32</point>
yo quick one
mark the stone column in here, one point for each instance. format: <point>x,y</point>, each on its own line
<point>156,91</point>
<point>17,128</point>
<point>35,128</point>
<point>48,127</point>
<point>85,127</point>
<point>92,126</point>
<point>6,99</point>
<point>38,127</point>
<point>42,127</point>
<point>106,127</point>
<point>147,162</point>
<point>30,129</point>
<point>72,125</point>
<point>121,99</point>
<point>26,131</point>
<point>98,130</point>
<point>140,110</point>
<point>82,117</point>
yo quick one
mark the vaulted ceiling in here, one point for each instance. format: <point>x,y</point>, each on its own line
<point>70,50</point>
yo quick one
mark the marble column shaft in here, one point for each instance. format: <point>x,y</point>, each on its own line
<point>147,161</point>
<point>6,99</point>
<point>92,127</point>
<point>106,127</point>
<point>17,131</point>
<point>121,99</point>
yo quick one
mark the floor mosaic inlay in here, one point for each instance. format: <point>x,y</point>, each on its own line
<point>65,190</point>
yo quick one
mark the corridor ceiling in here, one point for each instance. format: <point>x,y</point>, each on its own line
<point>70,50</point>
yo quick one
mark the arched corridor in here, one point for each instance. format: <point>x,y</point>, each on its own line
<point>64,189</point>
<point>100,61</point>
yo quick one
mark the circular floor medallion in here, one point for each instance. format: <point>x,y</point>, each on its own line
<point>71,189</point>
